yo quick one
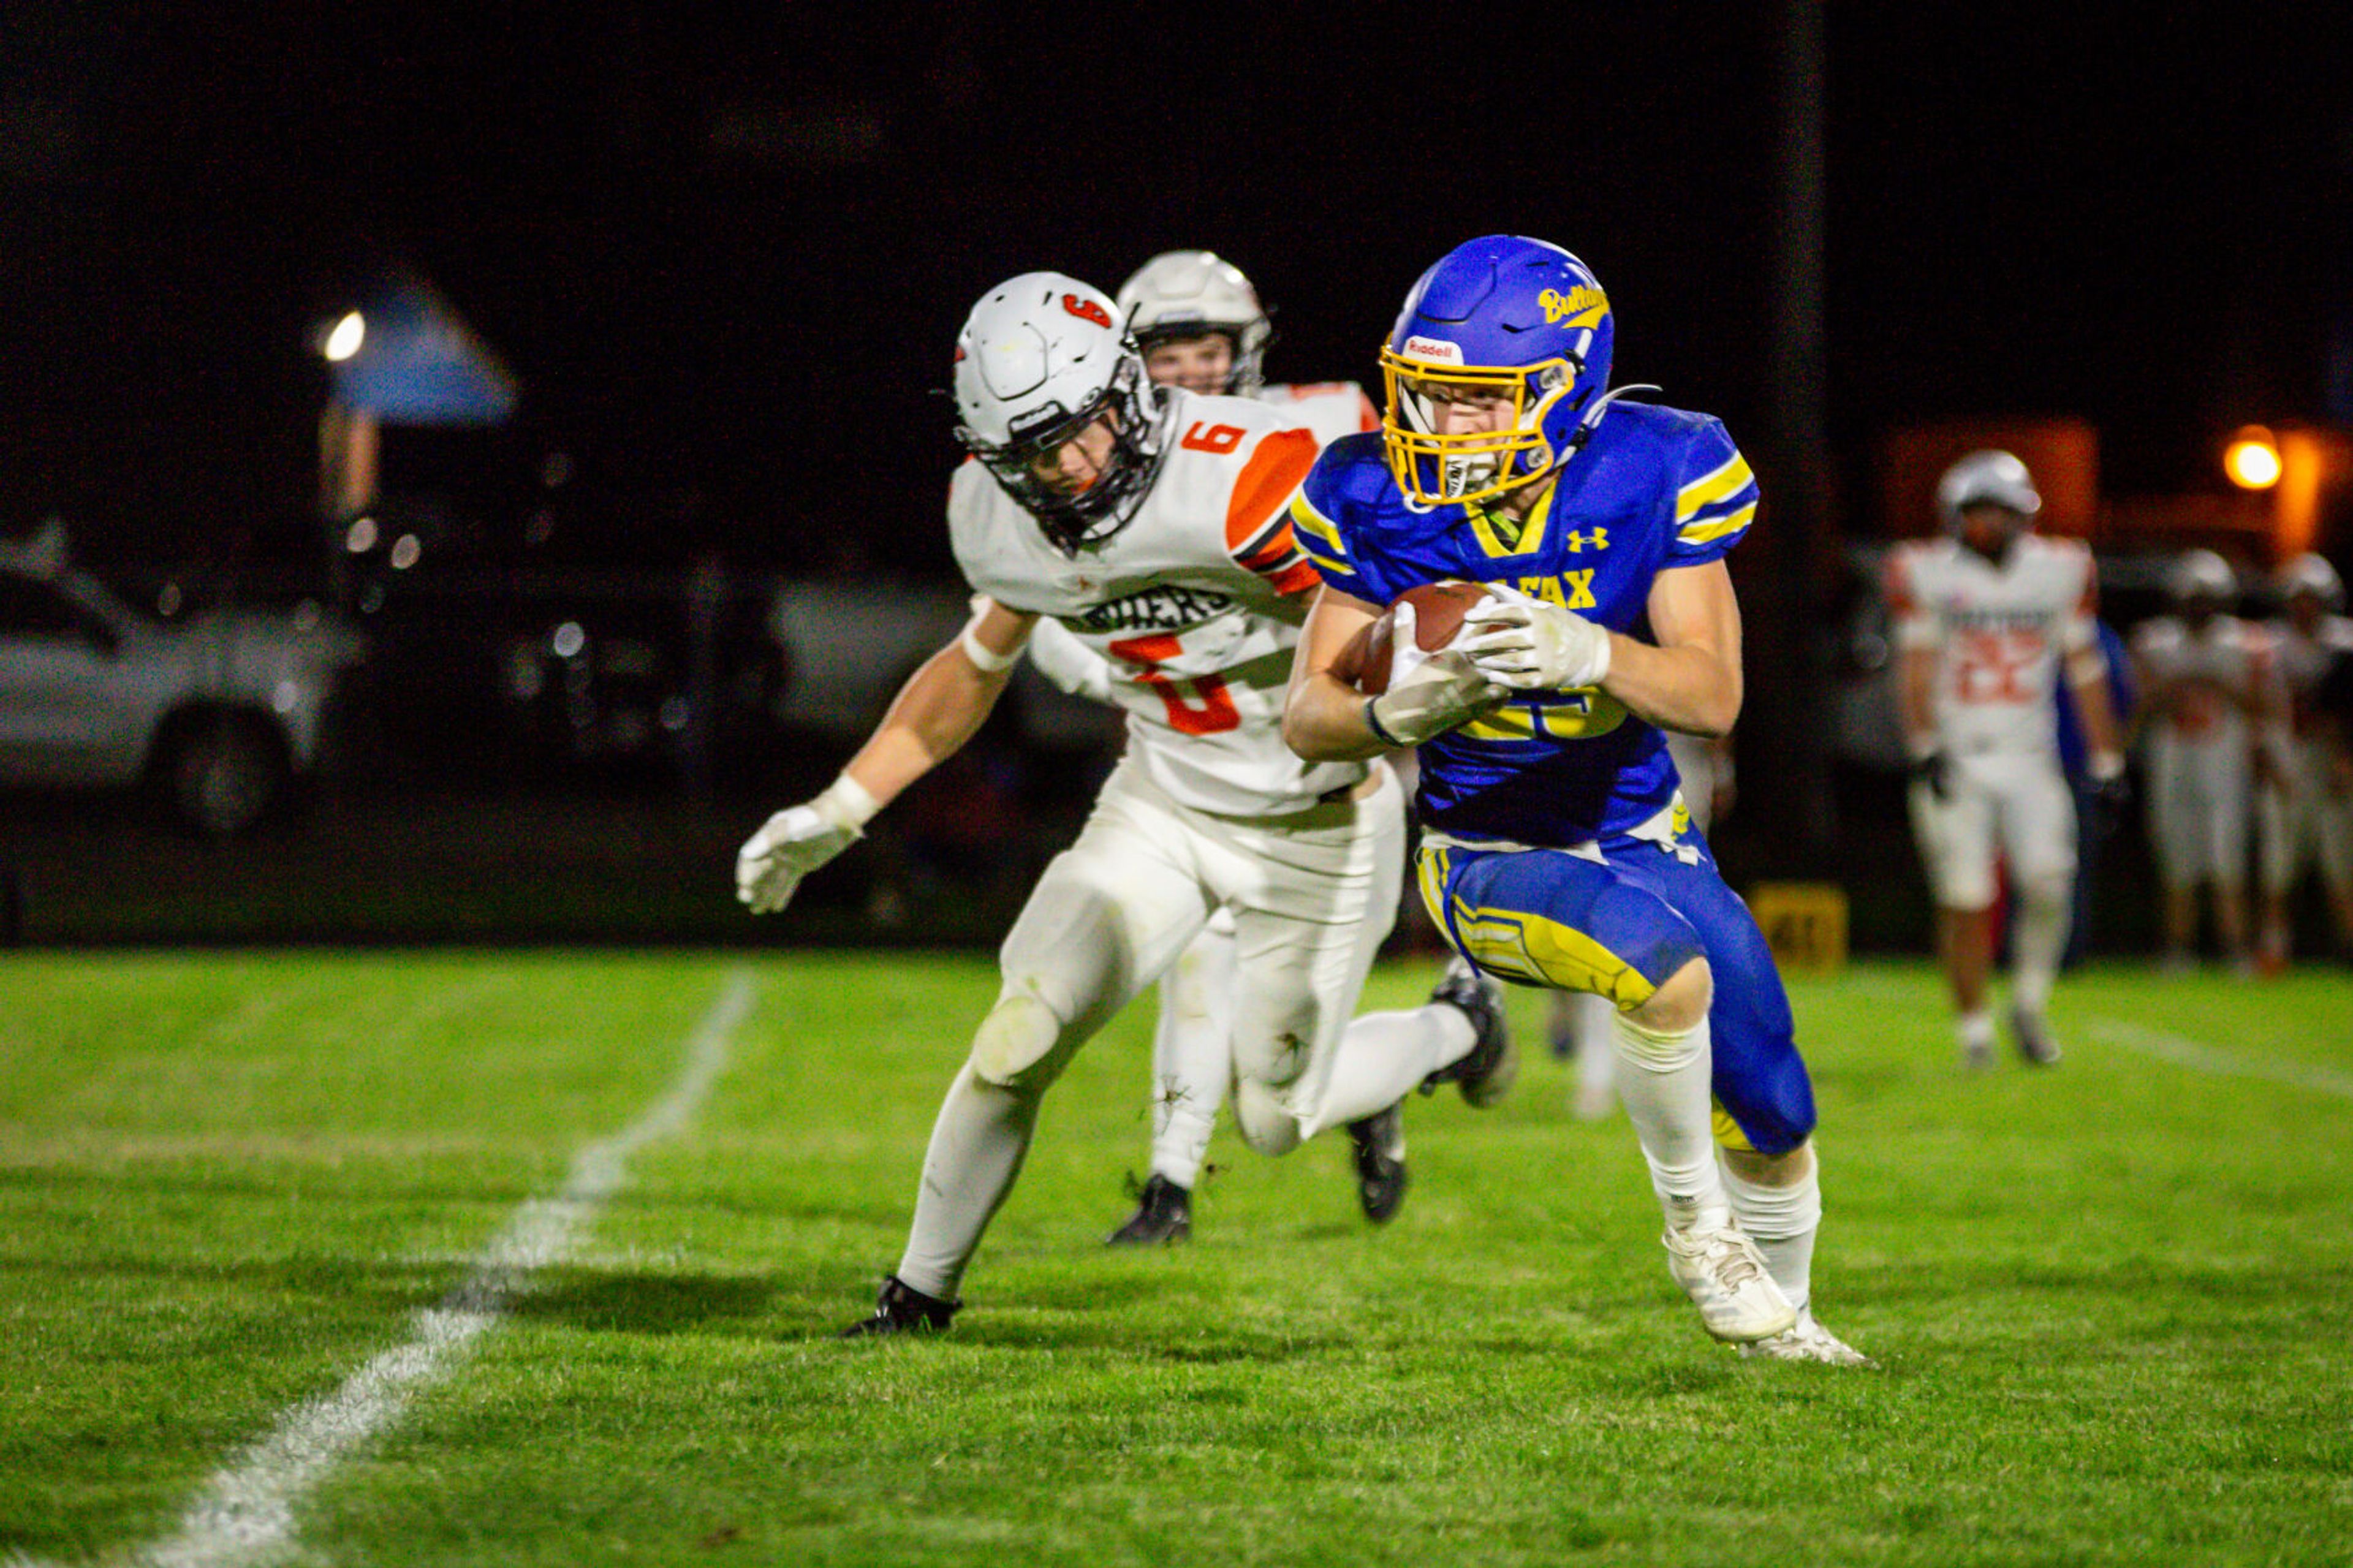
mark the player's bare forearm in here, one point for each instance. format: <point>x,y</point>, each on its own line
<point>1323,714</point>
<point>1689,680</point>
<point>2099,716</point>
<point>1915,683</point>
<point>942,706</point>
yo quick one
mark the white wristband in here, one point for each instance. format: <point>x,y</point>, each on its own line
<point>988,663</point>
<point>846,804</point>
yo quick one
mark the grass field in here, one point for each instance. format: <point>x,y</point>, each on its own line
<point>342,1199</point>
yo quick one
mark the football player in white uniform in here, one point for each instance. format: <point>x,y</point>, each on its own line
<point>2304,813</point>
<point>1986,617</point>
<point>1152,524</point>
<point>2206,682</point>
<point>1200,324</point>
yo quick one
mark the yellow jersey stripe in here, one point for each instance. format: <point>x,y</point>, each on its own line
<point>1306,519</point>
<point>1727,480</point>
<point>1717,528</point>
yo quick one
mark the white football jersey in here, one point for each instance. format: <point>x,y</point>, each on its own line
<point>1196,602</point>
<point>2000,632</point>
<point>1331,409</point>
<point>2303,660</point>
<point>2221,668</point>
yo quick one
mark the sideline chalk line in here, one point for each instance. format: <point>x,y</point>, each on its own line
<point>245,1515</point>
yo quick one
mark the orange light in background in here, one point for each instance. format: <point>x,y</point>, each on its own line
<point>2252,459</point>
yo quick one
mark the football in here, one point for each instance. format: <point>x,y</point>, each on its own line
<point>1438,610</point>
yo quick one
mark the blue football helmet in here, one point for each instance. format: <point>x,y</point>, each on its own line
<point>1499,315</point>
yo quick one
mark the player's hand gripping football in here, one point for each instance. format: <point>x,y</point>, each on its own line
<point>797,841</point>
<point>1527,645</point>
<point>1428,694</point>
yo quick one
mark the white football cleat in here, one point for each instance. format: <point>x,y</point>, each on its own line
<point>1724,1274</point>
<point>1807,1340</point>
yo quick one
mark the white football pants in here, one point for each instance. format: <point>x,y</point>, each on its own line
<point>2015,804</point>
<point>1311,896</point>
<point>2197,809</point>
<point>2307,821</point>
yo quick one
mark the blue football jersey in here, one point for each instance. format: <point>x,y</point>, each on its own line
<point>1653,488</point>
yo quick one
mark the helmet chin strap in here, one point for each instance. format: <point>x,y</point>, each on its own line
<point>1586,427</point>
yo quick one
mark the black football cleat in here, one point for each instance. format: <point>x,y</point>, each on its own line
<point>904,1309</point>
<point>1379,1145</point>
<point>1486,1074</point>
<point>1163,1212</point>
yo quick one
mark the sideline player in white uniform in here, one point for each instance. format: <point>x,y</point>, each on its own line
<point>2206,682</point>
<point>1200,324</point>
<point>2303,812</point>
<point>1154,525</point>
<point>1986,617</point>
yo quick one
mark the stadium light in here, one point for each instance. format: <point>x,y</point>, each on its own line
<point>2252,459</point>
<point>344,340</point>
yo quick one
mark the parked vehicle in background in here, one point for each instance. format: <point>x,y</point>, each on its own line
<point>848,645</point>
<point>219,715</point>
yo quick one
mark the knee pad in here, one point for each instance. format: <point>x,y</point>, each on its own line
<point>1017,1037</point>
<point>1264,1120</point>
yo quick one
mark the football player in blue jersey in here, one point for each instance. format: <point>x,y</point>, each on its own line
<point>1556,851</point>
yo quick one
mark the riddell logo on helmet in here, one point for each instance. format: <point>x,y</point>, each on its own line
<point>1583,305</point>
<point>1437,351</point>
<point>1087,310</point>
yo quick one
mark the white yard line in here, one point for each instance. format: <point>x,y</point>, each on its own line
<point>2198,1055</point>
<point>245,1515</point>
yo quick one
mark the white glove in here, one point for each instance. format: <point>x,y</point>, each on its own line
<point>1528,645</point>
<point>1069,663</point>
<point>797,841</point>
<point>1430,694</point>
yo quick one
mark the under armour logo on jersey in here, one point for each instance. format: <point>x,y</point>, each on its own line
<point>1087,310</point>
<point>1577,538</point>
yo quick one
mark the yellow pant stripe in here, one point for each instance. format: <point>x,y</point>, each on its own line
<point>1511,941</point>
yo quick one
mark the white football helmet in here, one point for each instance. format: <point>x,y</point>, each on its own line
<point>2200,575</point>
<point>1040,357</point>
<point>1981,476</point>
<point>2310,574</point>
<point>1190,293</point>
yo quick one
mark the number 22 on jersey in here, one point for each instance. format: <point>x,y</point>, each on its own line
<point>1989,665</point>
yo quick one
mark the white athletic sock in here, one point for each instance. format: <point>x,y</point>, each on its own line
<point>1596,1054</point>
<point>1665,1085</point>
<point>976,1149</point>
<point>2038,940</point>
<point>1192,1056</point>
<point>1782,1222</point>
<point>1384,1056</point>
<point>1975,1030</point>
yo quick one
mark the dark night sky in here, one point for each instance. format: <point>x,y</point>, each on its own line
<point>729,257</point>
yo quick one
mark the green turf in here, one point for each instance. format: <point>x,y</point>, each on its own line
<point>2113,1302</point>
